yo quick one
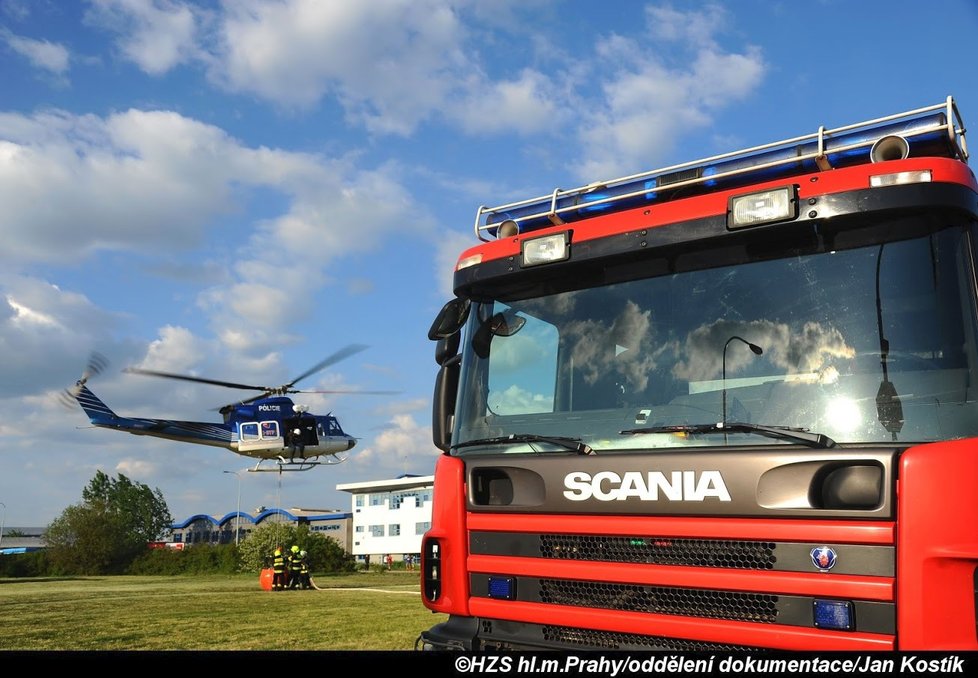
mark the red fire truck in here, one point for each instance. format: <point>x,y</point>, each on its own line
<point>729,404</point>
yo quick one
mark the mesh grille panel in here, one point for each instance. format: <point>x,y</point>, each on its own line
<point>749,555</point>
<point>753,607</point>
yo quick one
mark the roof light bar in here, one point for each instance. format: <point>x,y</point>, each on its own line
<point>936,130</point>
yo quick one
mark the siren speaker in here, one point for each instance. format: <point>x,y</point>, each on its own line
<point>507,229</point>
<point>889,148</point>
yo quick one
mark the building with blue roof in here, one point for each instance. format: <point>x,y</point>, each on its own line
<point>386,518</point>
<point>236,525</point>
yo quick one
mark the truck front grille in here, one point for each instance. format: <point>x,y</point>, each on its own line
<point>753,607</point>
<point>750,555</point>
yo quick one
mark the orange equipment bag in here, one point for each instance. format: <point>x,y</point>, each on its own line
<point>266,578</point>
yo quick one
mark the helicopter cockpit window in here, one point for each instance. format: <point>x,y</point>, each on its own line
<point>249,431</point>
<point>269,429</point>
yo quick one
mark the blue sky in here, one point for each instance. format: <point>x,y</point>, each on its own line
<point>238,189</point>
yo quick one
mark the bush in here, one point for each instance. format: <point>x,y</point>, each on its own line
<point>31,564</point>
<point>198,559</point>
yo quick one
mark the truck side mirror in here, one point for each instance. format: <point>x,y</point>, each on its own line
<point>449,319</point>
<point>443,402</point>
<point>447,348</point>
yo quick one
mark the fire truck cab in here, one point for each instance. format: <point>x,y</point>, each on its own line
<point>728,404</point>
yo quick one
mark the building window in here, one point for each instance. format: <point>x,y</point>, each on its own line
<point>394,530</point>
<point>359,528</point>
<point>376,530</point>
<point>378,499</point>
<point>359,500</point>
<point>419,498</point>
<point>421,528</point>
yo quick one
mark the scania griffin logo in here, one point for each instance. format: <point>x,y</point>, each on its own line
<point>823,558</point>
<point>648,486</point>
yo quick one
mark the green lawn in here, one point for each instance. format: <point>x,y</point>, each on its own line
<point>360,611</point>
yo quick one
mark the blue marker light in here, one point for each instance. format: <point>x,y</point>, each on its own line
<point>503,588</point>
<point>836,615</point>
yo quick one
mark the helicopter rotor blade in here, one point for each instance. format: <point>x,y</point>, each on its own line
<point>200,380</point>
<point>353,392</point>
<point>342,354</point>
<point>226,408</point>
<point>266,391</point>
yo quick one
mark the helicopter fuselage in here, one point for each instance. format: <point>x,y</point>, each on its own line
<point>262,429</point>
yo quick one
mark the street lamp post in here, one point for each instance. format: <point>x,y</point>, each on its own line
<point>2,516</point>
<point>237,513</point>
<point>755,349</point>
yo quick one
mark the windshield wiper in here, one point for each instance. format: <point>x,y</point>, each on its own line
<point>573,444</point>
<point>798,435</point>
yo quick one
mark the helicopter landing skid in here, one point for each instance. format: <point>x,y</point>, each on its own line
<point>282,464</point>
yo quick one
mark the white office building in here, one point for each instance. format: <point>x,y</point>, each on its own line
<point>390,517</point>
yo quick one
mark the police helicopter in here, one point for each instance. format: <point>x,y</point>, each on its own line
<point>267,427</point>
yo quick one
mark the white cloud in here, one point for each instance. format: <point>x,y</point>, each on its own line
<point>46,334</point>
<point>132,180</point>
<point>448,248</point>
<point>649,104</point>
<point>527,105</point>
<point>156,182</point>
<point>156,35</point>
<point>394,65</point>
<point>404,442</point>
<point>797,350</point>
<point>48,56</point>
<point>177,350</point>
<point>134,469</point>
<point>671,25</point>
<point>390,62</point>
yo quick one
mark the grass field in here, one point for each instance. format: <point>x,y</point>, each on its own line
<point>358,611</point>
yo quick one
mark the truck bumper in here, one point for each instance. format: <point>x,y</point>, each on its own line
<point>458,633</point>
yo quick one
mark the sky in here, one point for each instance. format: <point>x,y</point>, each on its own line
<point>237,189</point>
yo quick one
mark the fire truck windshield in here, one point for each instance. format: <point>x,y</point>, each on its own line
<point>858,341</point>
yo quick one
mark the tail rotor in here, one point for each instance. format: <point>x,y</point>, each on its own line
<point>97,363</point>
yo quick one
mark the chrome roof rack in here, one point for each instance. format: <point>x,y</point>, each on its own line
<point>936,130</point>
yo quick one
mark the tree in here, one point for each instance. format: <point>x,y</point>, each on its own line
<point>144,510</point>
<point>324,553</point>
<point>111,526</point>
<point>88,539</point>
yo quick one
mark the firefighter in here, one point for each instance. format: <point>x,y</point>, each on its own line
<point>297,445</point>
<point>278,570</point>
<point>295,568</point>
<point>305,581</point>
